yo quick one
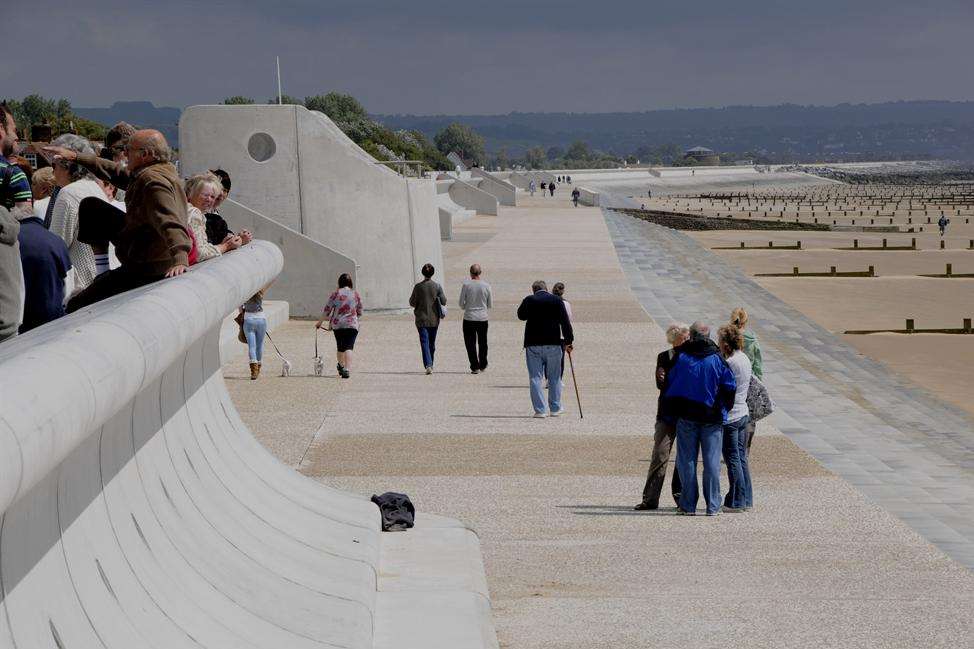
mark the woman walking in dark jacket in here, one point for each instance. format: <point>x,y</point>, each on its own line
<point>428,302</point>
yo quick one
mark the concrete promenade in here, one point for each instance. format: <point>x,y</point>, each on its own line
<point>569,564</point>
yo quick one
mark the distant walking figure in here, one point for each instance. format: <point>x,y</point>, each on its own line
<point>475,302</point>
<point>532,187</point>
<point>428,302</point>
<point>544,188</point>
<point>665,430</point>
<point>551,188</point>
<point>343,310</point>
<point>942,222</point>
<point>568,179</point>
<point>575,196</point>
<point>546,329</point>
<point>254,328</point>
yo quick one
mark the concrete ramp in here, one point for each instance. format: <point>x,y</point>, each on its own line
<point>138,510</point>
<point>298,168</point>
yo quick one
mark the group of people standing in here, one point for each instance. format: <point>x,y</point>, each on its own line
<point>704,389</point>
<point>545,187</point>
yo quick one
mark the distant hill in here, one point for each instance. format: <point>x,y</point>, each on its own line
<point>787,132</point>
<point>138,113</point>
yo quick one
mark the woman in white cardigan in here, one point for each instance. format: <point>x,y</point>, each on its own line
<point>202,192</point>
<point>76,184</point>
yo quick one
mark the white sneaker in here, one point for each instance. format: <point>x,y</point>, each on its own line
<point>540,415</point>
<point>429,370</point>
<point>557,413</point>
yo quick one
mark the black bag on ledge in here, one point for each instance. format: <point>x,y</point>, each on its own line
<point>398,513</point>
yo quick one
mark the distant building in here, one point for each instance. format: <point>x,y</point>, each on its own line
<point>702,155</point>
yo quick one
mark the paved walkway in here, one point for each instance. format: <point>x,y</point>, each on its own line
<point>908,451</point>
<point>569,564</point>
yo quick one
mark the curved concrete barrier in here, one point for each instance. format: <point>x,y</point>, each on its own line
<point>503,191</point>
<point>298,168</point>
<point>589,197</point>
<point>468,195</point>
<point>138,511</point>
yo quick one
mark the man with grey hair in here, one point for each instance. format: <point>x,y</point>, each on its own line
<point>151,237</point>
<point>546,328</point>
<point>475,300</point>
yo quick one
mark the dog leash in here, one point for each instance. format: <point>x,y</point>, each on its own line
<point>267,333</point>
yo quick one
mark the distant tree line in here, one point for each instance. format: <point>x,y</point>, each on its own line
<point>35,110</point>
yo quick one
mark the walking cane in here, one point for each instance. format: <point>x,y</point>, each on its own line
<point>575,382</point>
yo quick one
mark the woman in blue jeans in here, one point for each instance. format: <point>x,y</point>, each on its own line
<point>255,328</point>
<point>427,300</point>
<point>739,496</point>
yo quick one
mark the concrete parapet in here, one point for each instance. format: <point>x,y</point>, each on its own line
<point>471,197</point>
<point>589,197</point>
<point>503,191</point>
<point>311,269</point>
<point>138,510</point>
<point>297,167</point>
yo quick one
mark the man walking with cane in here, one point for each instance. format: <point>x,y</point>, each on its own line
<point>546,326</point>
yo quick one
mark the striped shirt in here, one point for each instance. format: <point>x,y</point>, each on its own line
<point>16,189</point>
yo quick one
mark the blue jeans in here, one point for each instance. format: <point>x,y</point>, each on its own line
<point>544,360</point>
<point>427,343</point>
<point>255,329</point>
<point>692,437</point>
<point>735,457</point>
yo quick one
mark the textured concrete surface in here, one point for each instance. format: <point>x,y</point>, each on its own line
<point>569,564</point>
<point>138,512</point>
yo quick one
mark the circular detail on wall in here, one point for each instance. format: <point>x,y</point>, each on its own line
<point>261,147</point>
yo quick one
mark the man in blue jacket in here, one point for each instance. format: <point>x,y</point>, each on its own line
<point>700,390</point>
<point>546,326</point>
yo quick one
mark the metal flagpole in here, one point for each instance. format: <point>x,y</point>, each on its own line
<point>280,97</point>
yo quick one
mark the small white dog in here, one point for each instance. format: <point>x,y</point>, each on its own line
<point>286,368</point>
<point>319,366</point>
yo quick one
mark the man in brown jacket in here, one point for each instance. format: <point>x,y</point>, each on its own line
<point>151,238</point>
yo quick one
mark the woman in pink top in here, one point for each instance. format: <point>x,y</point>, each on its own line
<point>343,310</point>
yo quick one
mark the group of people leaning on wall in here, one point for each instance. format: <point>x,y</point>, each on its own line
<point>91,226</point>
<point>710,397</point>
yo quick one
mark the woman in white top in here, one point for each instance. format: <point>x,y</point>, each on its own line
<point>202,192</point>
<point>739,495</point>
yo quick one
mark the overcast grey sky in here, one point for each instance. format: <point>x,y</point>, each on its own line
<point>436,56</point>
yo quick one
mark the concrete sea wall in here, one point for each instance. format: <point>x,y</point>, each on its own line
<point>296,167</point>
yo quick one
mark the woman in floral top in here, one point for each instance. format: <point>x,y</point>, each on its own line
<point>343,310</point>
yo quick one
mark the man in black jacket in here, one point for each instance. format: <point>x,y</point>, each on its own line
<point>546,326</point>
